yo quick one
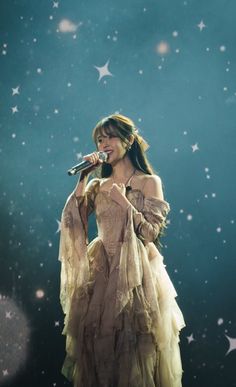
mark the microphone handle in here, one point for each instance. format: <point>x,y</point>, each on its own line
<point>85,164</point>
<point>80,167</point>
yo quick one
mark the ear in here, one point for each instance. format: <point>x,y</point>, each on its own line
<point>131,139</point>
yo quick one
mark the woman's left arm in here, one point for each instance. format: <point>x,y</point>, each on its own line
<point>151,219</point>
<point>149,222</point>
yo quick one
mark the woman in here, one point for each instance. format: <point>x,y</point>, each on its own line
<point>122,322</point>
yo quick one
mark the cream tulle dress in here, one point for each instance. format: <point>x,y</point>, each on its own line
<point>122,321</point>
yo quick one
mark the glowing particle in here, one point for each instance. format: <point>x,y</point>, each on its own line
<point>162,48</point>
<point>39,293</point>
<point>67,25</point>
<point>222,48</point>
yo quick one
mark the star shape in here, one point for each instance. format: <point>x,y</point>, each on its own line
<point>55,4</point>
<point>59,226</point>
<point>201,25</point>
<point>8,315</point>
<point>5,372</point>
<point>195,147</point>
<point>15,90</point>
<point>14,109</point>
<point>103,71</point>
<point>190,338</point>
<point>232,344</point>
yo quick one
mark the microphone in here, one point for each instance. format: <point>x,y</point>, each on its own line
<point>85,164</point>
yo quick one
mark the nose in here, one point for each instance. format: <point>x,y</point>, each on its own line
<point>105,143</point>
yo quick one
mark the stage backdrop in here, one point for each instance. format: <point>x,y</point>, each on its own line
<point>170,66</point>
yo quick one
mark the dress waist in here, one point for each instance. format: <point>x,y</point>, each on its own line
<point>111,247</point>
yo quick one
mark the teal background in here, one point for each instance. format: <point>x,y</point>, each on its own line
<point>178,99</point>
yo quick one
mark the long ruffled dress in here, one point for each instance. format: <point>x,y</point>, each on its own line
<point>122,321</point>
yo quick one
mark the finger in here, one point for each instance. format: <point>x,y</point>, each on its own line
<point>87,157</point>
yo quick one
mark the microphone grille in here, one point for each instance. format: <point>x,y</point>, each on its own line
<point>103,156</point>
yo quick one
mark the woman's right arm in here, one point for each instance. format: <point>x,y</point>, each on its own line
<point>83,179</point>
<point>81,185</point>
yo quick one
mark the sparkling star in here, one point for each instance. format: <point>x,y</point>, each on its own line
<point>190,338</point>
<point>103,71</point>
<point>5,372</point>
<point>232,344</point>
<point>201,25</point>
<point>8,315</point>
<point>15,90</point>
<point>14,109</point>
<point>55,4</point>
<point>195,147</point>
<point>58,226</point>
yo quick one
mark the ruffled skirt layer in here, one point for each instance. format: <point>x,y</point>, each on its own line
<point>137,348</point>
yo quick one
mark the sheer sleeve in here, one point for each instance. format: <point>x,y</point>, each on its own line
<point>85,203</point>
<point>73,244</point>
<point>149,223</point>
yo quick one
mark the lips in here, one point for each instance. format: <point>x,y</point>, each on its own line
<point>108,152</point>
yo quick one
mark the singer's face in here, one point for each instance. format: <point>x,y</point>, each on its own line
<point>112,145</point>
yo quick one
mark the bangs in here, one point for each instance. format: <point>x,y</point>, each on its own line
<point>112,126</point>
<point>105,129</point>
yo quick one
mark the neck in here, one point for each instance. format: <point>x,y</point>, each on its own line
<point>122,169</point>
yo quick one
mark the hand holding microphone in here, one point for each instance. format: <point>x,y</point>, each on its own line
<point>91,162</point>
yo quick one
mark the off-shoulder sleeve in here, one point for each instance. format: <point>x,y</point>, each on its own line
<point>149,223</point>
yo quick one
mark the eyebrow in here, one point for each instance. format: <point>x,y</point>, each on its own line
<point>102,135</point>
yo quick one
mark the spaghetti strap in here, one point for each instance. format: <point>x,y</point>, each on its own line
<point>129,183</point>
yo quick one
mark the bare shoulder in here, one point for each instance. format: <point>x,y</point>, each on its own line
<point>152,186</point>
